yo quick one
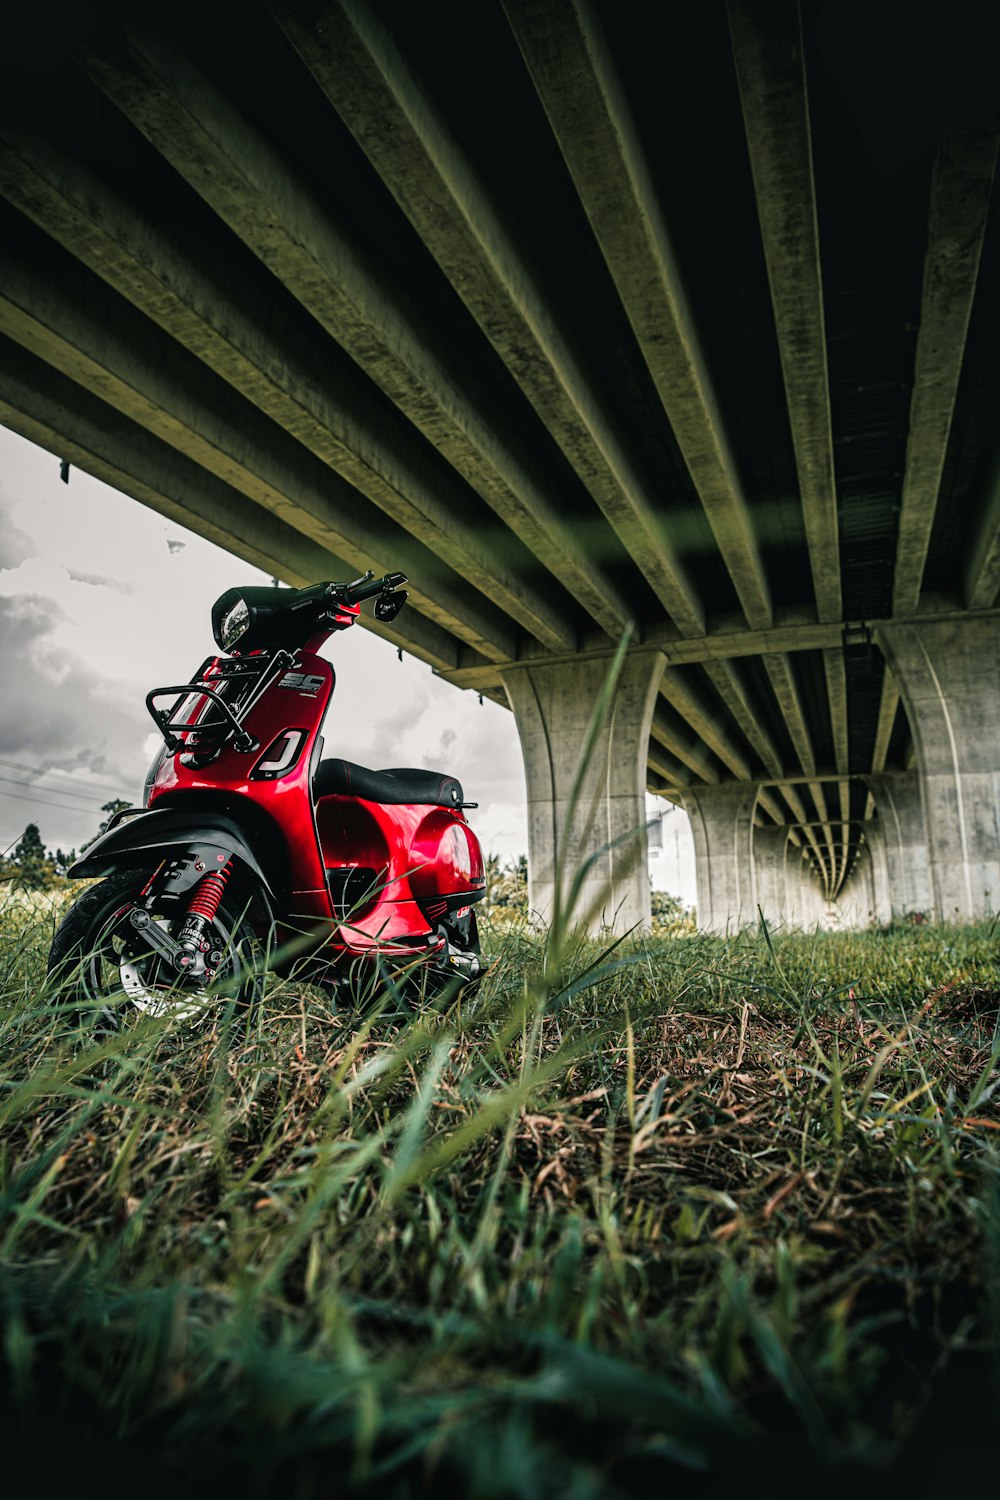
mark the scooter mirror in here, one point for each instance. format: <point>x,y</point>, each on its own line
<point>387,606</point>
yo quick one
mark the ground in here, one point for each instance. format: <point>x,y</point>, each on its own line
<point>720,1211</point>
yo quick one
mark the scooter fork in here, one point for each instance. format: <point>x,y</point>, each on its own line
<point>190,951</point>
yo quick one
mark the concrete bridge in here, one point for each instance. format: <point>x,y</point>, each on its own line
<point>589,316</point>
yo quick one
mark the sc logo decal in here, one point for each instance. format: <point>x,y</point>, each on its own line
<point>301,682</point>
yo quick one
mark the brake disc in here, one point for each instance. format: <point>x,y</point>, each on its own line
<point>161,1000</point>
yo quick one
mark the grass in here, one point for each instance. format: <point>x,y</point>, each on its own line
<point>688,1210</point>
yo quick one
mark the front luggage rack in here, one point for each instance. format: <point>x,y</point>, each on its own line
<point>185,726</point>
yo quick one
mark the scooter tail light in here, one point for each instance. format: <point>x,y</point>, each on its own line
<point>280,755</point>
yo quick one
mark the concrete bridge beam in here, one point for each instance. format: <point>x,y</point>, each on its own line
<point>386,330</point>
<point>61,312</point>
<point>245,335</point>
<point>370,83</point>
<point>786,692</point>
<point>722,827</point>
<point>948,673</point>
<point>770,70</point>
<point>588,108</point>
<point>958,215</point>
<point>553,706</point>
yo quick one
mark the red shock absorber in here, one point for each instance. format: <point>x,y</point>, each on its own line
<point>208,893</point>
<point>201,911</point>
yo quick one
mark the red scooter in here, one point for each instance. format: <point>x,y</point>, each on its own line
<point>252,852</point>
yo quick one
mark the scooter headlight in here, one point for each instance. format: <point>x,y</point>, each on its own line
<point>234,623</point>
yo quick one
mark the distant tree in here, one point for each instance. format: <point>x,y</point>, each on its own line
<point>33,867</point>
<point>671,918</point>
<point>493,873</point>
<point>111,808</point>
<point>507,888</point>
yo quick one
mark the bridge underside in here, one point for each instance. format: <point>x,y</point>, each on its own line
<point>590,317</point>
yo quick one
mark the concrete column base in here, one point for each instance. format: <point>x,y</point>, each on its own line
<point>553,705</point>
<point>874,834</point>
<point>901,820</point>
<point>769,862</point>
<point>722,826</point>
<point>948,674</point>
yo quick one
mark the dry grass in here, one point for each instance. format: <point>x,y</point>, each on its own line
<point>696,1205</point>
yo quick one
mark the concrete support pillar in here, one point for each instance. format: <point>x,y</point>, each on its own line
<point>769,863</point>
<point>901,820</point>
<point>855,905</point>
<point>553,705</point>
<point>805,903</point>
<point>948,675</point>
<point>874,836</point>
<point>722,827</point>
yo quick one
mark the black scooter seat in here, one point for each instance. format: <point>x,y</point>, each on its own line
<point>400,784</point>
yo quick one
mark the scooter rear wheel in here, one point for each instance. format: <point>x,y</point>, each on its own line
<point>101,969</point>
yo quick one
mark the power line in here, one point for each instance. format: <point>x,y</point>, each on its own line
<point>83,805</point>
<point>35,771</point>
<point>45,801</point>
<point>60,791</point>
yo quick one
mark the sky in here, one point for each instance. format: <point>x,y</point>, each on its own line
<point>102,598</point>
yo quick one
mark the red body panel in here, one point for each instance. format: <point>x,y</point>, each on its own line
<point>419,853</point>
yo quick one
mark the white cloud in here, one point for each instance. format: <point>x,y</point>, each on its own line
<point>15,544</point>
<point>50,697</point>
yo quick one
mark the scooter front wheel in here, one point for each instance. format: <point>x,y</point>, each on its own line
<point>106,974</point>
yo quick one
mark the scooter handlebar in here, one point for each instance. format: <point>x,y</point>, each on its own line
<point>367,588</point>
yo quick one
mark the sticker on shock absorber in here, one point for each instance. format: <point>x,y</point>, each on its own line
<point>302,682</point>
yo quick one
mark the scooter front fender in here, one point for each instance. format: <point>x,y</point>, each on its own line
<point>156,834</point>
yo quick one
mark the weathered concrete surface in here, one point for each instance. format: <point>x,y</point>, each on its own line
<point>770,68</point>
<point>864,897</point>
<point>57,309</point>
<point>904,841</point>
<point>553,707</point>
<point>424,164</point>
<point>855,903</point>
<point>961,186</point>
<point>240,176</point>
<point>590,114</point>
<point>875,843</point>
<point>783,685</point>
<point>722,827</point>
<point>788,890</point>
<point>807,906</point>
<point>769,864</point>
<point>948,674</point>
